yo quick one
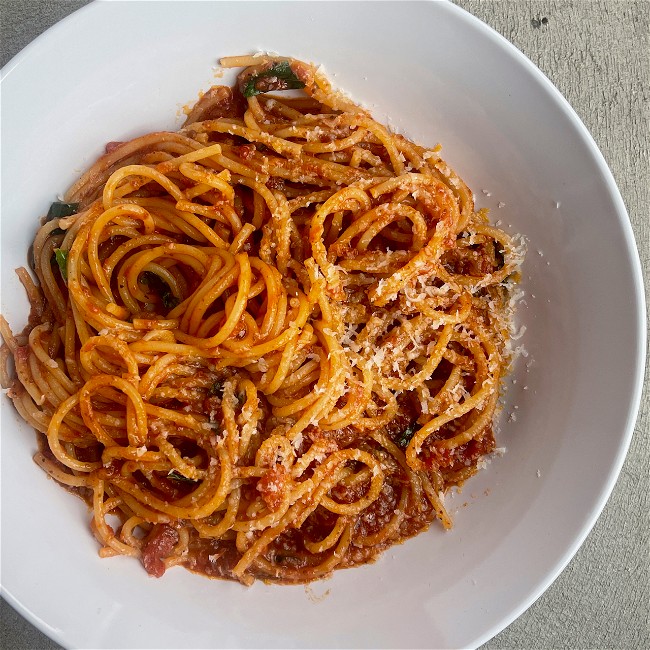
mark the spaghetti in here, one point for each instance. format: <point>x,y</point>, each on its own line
<point>266,345</point>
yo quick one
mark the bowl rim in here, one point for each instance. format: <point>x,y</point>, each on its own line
<point>639,303</point>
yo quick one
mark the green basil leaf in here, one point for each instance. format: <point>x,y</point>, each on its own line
<point>406,435</point>
<point>169,300</point>
<point>59,209</point>
<point>281,70</point>
<point>61,257</point>
<point>177,476</point>
<point>216,390</point>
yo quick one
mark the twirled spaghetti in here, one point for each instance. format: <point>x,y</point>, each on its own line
<point>267,344</point>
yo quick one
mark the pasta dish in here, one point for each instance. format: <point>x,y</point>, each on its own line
<point>266,345</point>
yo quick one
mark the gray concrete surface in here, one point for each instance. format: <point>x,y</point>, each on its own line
<point>598,54</point>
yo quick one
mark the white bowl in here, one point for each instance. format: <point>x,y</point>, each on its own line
<point>116,70</point>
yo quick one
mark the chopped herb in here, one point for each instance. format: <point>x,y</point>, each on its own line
<point>177,476</point>
<point>61,257</point>
<point>58,209</point>
<point>406,435</point>
<point>169,300</point>
<point>147,277</point>
<point>216,390</point>
<point>280,72</point>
